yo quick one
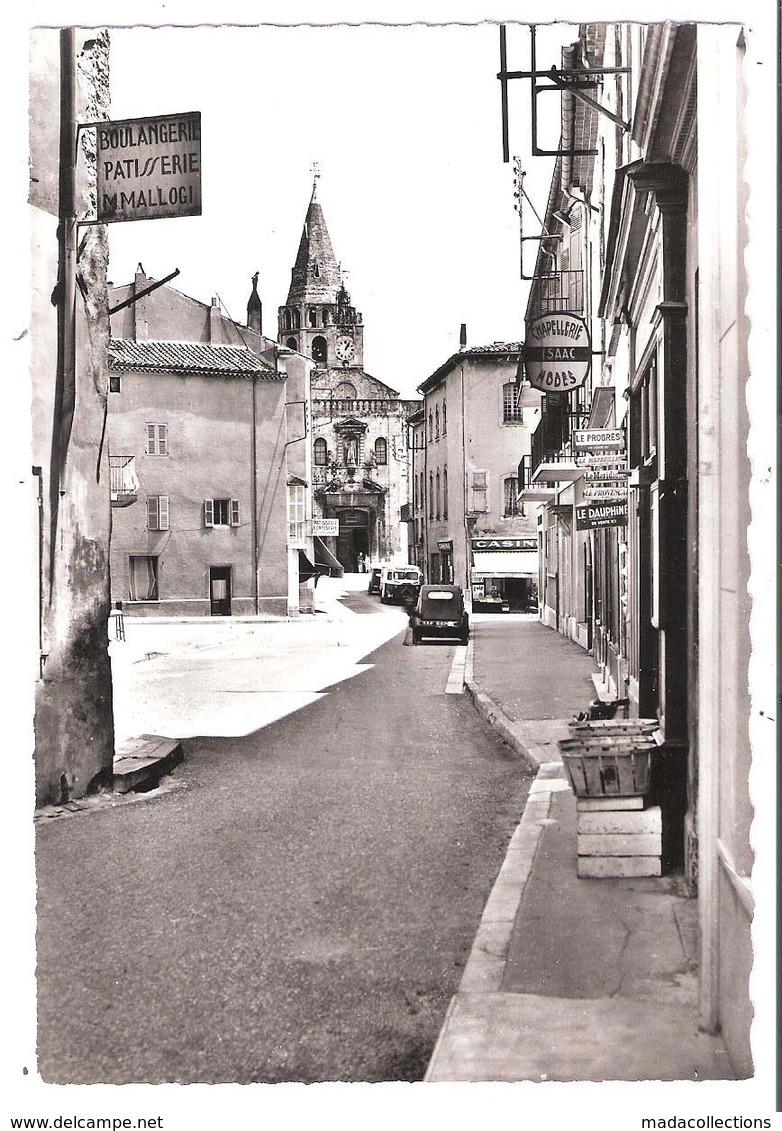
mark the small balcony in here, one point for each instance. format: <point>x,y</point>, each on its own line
<point>533,491</point>
<point>553,458</point>
<point>124,484</point>
<point>561,291</point>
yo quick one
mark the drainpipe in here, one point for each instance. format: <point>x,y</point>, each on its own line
<point>254,491</point>
<point>566,169</point>
<point>65,391</point>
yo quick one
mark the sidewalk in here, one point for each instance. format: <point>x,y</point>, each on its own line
<point>569,979</point>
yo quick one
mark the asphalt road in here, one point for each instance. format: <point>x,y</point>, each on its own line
<point>297,908</point>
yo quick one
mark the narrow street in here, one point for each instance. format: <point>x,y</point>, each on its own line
<point>298,903</point>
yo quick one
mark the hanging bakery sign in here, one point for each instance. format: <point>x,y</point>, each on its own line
<point>557,352</point>
<point>149,168</point>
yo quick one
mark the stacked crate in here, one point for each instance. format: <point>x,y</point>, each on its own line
<point>608,764</point>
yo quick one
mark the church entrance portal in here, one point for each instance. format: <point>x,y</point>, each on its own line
<point>353,538</point>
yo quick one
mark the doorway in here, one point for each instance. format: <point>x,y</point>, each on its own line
<point>353,538</point>
<point>220,591</point>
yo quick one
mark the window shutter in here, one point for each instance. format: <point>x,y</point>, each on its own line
<point>151,437</point>
<point>234,512</point>
<point>479,488</point>
<point>152,513</point>
<point>209,512</point>
<point>163,512</point>
<point>162,440</point>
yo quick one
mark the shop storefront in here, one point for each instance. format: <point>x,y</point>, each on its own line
<point>504,575</point>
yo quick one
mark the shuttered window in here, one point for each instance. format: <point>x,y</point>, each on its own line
<point>221,512</point>
<point>157,512</point>
<point>157,440</point>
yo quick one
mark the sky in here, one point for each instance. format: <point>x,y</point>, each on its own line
<point>404,125</point>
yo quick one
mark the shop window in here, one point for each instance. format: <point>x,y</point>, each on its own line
<point>511,409</point>
<point>381,451</point>
<point>143,577</point>
<point>321,453</point>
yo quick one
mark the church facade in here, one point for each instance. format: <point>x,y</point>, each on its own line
<point>358,424</point>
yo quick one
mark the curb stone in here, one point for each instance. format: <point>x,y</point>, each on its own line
<point>485,966</point>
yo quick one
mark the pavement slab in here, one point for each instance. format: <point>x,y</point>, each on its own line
<point>569,979</point>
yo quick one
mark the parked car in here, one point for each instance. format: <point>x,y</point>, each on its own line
<point>440,613</point>
<point>400,583</point>
<point>374,579</point>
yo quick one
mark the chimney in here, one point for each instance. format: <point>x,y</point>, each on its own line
<point>215,322</point>
<point>140,315</point>
<point>463,337</point>
<point>255,309</point>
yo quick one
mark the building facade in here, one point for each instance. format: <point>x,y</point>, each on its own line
<point>198,424</point>
<point>358,423</point>
<point>469,527</point>
<point>641,475</point>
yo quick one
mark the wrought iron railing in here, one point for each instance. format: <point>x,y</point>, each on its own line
<point>561,291</point>
<point>123,481</point>
<point>552,439</point>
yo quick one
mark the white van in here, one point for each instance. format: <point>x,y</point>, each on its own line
<point>398,582</point>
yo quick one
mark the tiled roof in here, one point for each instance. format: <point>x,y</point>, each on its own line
<point>502,348</point>
<point>187,357</point>
<point>509,351</point>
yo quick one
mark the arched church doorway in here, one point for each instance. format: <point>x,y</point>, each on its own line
<point>354,536</point>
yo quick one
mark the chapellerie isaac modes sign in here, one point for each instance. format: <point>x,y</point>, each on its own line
<point>149,168</point>
<point>557,352</point>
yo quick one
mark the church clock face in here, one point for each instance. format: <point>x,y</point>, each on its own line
<point>344,348</point>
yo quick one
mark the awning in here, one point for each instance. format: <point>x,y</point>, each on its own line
<point>505,563</point>
<point>306,569</point>
<point>325,561</point>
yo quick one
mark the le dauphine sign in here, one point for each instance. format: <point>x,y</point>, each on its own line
<point>557,352</point>
<point>149,168</point>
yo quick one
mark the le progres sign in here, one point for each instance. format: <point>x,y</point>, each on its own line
<point>149,168</point>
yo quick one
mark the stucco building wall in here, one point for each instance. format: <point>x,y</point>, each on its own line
<point>209,422</point>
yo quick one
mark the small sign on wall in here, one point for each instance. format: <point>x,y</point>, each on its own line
<point>325,527</point>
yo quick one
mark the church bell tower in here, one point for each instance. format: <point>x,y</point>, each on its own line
<point>318,318</point>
